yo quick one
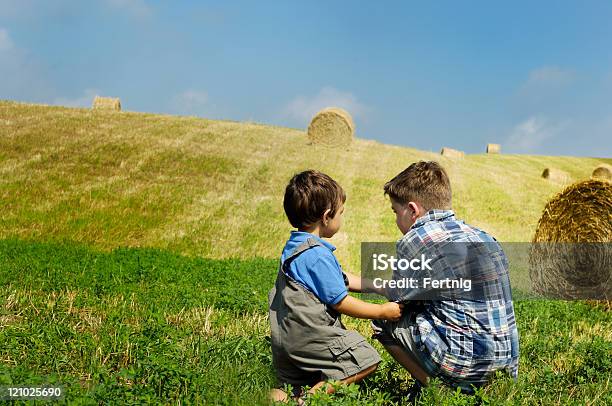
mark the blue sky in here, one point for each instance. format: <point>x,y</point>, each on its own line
<point>533,76</point>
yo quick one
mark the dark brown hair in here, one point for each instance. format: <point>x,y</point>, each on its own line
<point>423,182</point>
<point>308,195</point>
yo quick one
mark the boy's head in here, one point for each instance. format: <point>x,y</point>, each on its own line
<point>314,199</point>
<point>421,187</point>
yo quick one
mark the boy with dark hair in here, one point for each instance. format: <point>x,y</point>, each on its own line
<point>462,341</point>
<point>310,345</point>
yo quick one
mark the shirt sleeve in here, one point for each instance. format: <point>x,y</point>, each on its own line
<point>327,280</point>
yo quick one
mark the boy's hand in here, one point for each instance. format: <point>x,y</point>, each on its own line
<point>351,306</point>
<point>392,311</point>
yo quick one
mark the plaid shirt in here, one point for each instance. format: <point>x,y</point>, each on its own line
<point>462,342</point>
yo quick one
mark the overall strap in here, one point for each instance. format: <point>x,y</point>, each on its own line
<point>306,245</point>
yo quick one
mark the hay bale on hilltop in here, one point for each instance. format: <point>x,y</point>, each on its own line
<point>106,103</point>
<point>571,255</point>
<point>603,172</point>
<point>451,153</point>
<point>556,175</point>
<point>331,127</point>
<point>493,149</point>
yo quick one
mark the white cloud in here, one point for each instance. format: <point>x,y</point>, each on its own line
<point>549,76</point>
<point>530,134</point>
<point>302,108</point>
<point>190,101</point>
<point>6,43</point>
<point>137,8</point>
<point>81,101</point>
<point>548,90</point>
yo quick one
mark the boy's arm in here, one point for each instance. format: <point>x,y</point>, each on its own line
<point>357,284</point>
<point>354,307</point>
<point>354,282</point>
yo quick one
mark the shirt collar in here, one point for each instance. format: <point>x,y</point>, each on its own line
<point>434,215</point>
<point>300,236</point>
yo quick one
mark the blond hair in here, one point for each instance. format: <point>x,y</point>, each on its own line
<point>423,182</point>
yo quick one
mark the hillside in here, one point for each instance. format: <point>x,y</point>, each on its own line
<point>144,324</point>
<point>214,188</point>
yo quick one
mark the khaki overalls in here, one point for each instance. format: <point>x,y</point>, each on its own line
<point>309,342</point>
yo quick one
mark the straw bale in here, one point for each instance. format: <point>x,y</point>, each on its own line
<point>603,171</point>
<point>571,257</point>
<point>556,175</point>
<point>106,103</point>
<point>451,153</point>
<point>493,149</point>
<point>332,127</point>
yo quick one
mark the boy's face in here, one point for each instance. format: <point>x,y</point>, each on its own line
<point>405,214</point>
<point>331,225</point>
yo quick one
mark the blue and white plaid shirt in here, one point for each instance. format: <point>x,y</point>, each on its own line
<point>462,342</point>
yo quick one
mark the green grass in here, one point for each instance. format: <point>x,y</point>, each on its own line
<point>147,325</point>
<point>134,323</point>
<point>136,252</point>
<point>178,282</point>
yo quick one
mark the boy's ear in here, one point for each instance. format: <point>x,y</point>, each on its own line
<point>325,218</point>
<point>414,208</point>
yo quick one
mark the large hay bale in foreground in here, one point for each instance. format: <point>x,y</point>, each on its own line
<point>451,153</point>
<point>493,149</point>
<point>106,103</point>
<point>603,171</point>
<point>571,255</point>
<point>331,127</point>
<point>556,175</point>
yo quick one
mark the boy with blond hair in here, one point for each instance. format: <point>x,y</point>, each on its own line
<point>462,340</point>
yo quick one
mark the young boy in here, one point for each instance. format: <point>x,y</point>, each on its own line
<point>310,345</point>
<point>461,340</point>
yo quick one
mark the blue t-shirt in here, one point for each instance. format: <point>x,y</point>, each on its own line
<point>317,269</point>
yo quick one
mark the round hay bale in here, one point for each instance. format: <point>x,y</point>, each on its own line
<point>556,175</point>
<point>493,149</point>
<point>106,103</point>
<point>451,153</point>
<point>571,254</point>
<point>331,127</point>
<point>603,171</point>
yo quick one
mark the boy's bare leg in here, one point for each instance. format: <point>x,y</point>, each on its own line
<point>278,395</point>
<point>346,381</point>
<point>408,362</point>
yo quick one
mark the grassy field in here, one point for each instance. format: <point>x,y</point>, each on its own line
<point>136,251</point>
